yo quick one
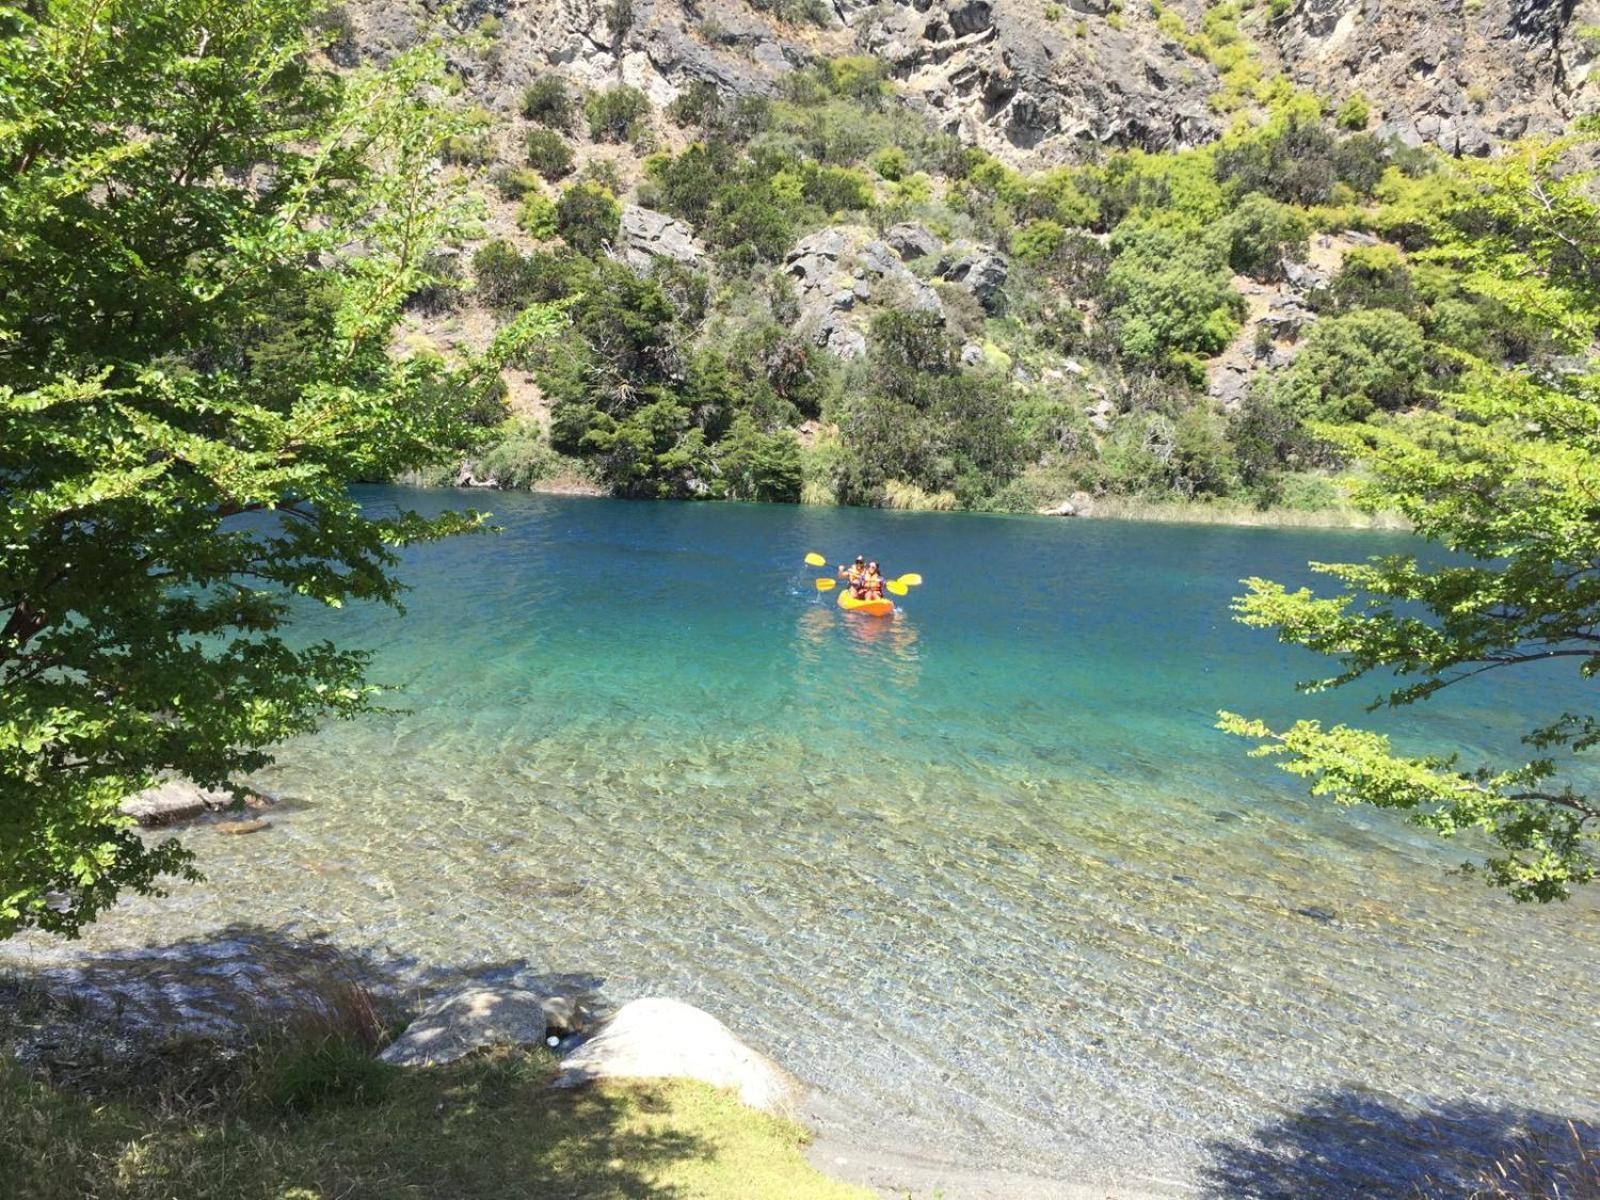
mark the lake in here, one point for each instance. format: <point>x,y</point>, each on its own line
<point>985,874</point>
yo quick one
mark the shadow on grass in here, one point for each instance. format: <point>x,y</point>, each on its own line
<point>1358,1144</point>
<point>239,1063</point>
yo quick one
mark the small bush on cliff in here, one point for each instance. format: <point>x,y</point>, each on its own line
<point>547,101</point>
<point>549,154</point>
<point>617,114</point>
<point>588,217</point>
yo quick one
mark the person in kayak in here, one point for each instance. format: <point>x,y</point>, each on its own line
<point>872,583</point>
<point>854,574</point>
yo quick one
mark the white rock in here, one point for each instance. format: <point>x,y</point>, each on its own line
<point>658,1038</point>
<point>468,1021</point>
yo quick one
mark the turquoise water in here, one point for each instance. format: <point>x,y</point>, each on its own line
<point>985,874</point>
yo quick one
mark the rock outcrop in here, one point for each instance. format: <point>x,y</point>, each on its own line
<point>1040,84</point>
<point>647,235</point>
<point>839,271</point>
<point>1004,76</point>
<point>659,1038</point>
<point>480,1017</point>
<point>1460,74</point>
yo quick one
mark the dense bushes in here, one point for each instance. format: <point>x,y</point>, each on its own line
<point>1170,291</point>
<point>1353,364</point>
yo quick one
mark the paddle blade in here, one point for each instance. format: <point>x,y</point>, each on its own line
<point>911,580</point>
<point>898,588</point>
<point>826,585</point>
<point>815,560</point>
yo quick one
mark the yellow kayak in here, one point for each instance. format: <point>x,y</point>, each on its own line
<point>882,607</point>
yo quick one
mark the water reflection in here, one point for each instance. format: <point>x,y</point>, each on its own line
<point>875,655</point>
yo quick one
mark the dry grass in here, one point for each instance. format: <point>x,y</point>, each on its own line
<point>1542,1168</point>
<point>1125,509</point>
<point>911,498</point>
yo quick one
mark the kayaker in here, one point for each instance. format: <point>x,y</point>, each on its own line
<point>872,582</point>
<point>854,574</point>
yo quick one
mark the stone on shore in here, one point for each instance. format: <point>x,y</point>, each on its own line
<point>472,1020</point>
<point>659,1038</point>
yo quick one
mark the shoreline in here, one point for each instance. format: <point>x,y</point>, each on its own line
<point>1151,512</point>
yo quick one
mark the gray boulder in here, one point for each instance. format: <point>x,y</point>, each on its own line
<point>647,235</point>
<point>173,800</point>
<point>475,1018</point>
<point>981,271</point>
<point>659,1038</point>
<point>910,240</point>
<point>836,272</point>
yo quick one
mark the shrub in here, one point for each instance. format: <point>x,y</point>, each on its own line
<point>1359,162</point>
<point>1038,241</point>
<point>549,154</point>
<point>513,183</point>
<point>1262,234</point>
<point>1290,159</point>
<point>537,216</point>
<point>441,292</point>
<point>547,101</point>
<point>1373,277</point>
<point>836,189</point>
<point>588,217</point>
<point>617,115</point>
<point>755,465</point>
<point>1353,114</point>
<point>1354,363</point>
<point>890,163</point>
<point>502,277</point>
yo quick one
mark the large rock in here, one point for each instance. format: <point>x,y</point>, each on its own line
<point>659,1038</point>
<point>981,271</point>
<point>911,241</point>
<point>838,270</point>
<point>647,235</point>
<point>475,1018</point>
<point>174,800</point>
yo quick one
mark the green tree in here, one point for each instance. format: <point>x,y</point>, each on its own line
<point>205,244</point>
<point>1504,474</point>
<point>1170,291</point>
<point>1263,234</point>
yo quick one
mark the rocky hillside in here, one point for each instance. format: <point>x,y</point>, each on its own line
<point>979,253</point>
<point>1040,82</point>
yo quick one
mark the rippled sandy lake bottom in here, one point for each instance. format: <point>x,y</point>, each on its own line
<point>984,874</point>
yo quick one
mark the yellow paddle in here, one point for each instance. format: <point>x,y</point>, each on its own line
<point>826,585</point>
<point>815,560</point>
<point>911,580</point>
<point>897,587</point>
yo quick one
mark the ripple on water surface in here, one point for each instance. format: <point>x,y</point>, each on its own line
<point>984,872</point>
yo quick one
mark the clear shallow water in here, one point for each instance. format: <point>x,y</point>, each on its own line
<point>985,874</point>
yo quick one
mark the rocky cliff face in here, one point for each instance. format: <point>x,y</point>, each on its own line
<point>1460,74</point>
<point>1040,83</point>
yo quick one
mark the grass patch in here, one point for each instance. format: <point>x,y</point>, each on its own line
<point>317,1125</point>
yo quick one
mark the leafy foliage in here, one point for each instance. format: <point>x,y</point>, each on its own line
<point>197,304</point>
<point>1503,474</point>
